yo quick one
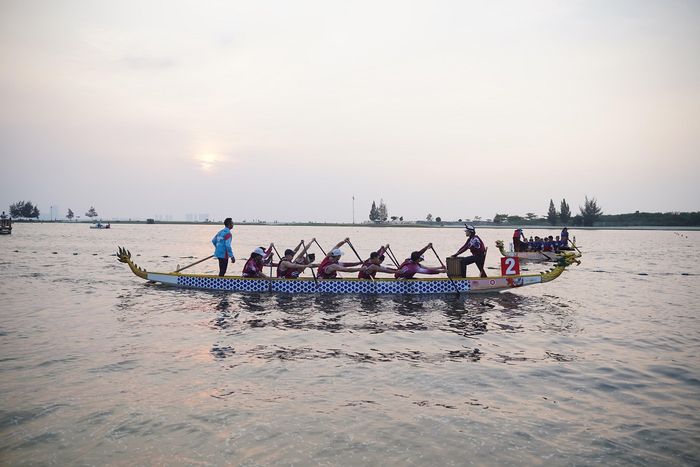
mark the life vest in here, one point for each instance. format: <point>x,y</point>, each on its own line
<point>407,270</point>
<point>251,268</point>
<point>476,246</point>
<point>516,234</point>
<point>365,274</point>
<point>322,274</point>
<point>288,273</point>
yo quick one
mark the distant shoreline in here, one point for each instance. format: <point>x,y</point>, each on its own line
<point>433,225</point>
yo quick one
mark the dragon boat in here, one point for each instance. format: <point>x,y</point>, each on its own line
<point>379,286</point>
<point>536,256</point>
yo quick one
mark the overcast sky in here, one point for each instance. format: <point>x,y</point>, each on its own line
<point>283,110</point>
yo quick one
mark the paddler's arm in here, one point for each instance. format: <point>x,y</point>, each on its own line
<point>341,243</point>
<point>306,248</point>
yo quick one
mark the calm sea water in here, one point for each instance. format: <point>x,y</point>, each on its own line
<point>97,366</point>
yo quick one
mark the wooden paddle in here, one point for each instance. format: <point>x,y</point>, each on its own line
<point>358,256</point>
<point>190,265</point>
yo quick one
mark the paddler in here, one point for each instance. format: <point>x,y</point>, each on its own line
<point>517,242</point>
<point>477,248</point>
<point>373,265</point>
<point>257,262</point>
<point>290,268</point>
<point>412,266</point>
<point>222,246</point>
<point>330,265</point>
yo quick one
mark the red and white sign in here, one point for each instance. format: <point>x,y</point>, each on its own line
<point>510,266</point>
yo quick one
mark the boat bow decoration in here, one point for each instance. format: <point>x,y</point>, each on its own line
<point>379,286</point>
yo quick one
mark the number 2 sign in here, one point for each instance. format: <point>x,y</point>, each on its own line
<point>510,266</point>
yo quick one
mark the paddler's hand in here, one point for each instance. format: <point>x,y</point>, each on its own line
<point>233,260</point>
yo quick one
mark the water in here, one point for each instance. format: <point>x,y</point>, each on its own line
<point>99,367</point>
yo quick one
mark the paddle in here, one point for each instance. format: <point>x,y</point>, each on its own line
<point>443,265</point>
<point>392,256</point>
<point>306,255</point>
<point>358,256</point>
<point>190,265</point>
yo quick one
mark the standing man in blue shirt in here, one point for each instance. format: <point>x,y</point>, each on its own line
<point>222,245</point>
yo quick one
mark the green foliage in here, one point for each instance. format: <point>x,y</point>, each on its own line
<point>91,212</point>
<point>373,212</point>
<point>383,212</point>
<point>24,209</point>
<point>564,212</point>
<point>429,217</point>
<point>500,218</point>
<point>438,219</point>
<point>552,213</point>
<point>70,215</point>
<point>590,211</point>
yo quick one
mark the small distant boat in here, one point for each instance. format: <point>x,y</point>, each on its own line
<point>5,226</point>
<point>389,286</point>
<point>100,225</point>
<point>537,256</point>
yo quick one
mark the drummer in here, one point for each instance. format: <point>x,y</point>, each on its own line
<point>477,248</point>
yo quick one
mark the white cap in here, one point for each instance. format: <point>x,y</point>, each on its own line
<point>336,252</point>
<point>469,228</point>
<point>259,251</point>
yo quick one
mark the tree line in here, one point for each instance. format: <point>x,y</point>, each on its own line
<point>28,210</point>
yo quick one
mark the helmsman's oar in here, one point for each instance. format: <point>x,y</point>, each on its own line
<point>190,265</point>
<point>443,265</point>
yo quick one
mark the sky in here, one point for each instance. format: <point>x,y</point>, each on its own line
<point>280,110</point>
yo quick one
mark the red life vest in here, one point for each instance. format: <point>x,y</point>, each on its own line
<point>407,270</point>
<point>516,234</point>
<point>322,274</point>
<point>365,274</point>
<point>288,273</point>
<point>251,268</point>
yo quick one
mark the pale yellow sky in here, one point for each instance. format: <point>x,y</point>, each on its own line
<point>285,110</point>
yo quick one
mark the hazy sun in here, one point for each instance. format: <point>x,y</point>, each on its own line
<point>208,161</point>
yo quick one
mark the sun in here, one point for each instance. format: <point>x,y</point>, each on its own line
<point>208,161</point>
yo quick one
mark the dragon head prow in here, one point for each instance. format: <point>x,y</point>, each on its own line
<point>124,256</point>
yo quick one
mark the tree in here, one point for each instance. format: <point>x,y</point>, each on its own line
<point>531,216</point>
<point>552,213</point>
<point>382,211</point>
<point>438,219</point>
<point>477,218</point>
<point>91,213</point>
<point>70,215</point>
<point>500,218</point>
<point>24,209</point>
<point>401,219</point>
<point>590,212</point>
<point>564,212</point>
<point>429,217</point>
<point>373,212</point>
<point>393,218</point>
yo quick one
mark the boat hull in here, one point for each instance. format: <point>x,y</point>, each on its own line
<point>389,286</point>
<point>345,286</point>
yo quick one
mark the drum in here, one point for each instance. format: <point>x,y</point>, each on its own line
<point>456,267</point>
